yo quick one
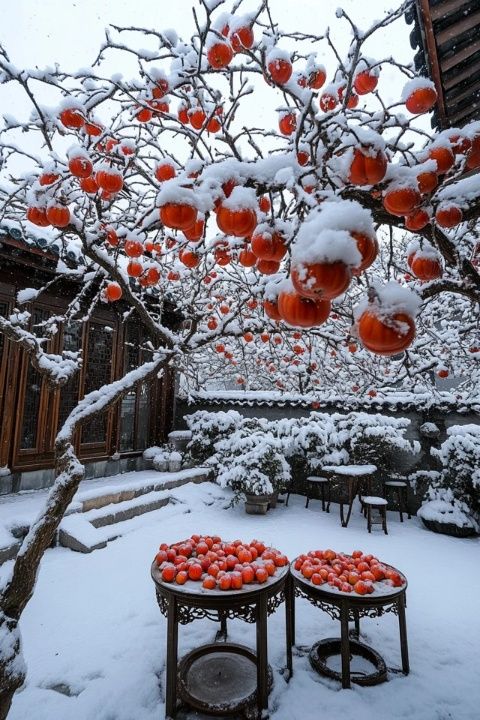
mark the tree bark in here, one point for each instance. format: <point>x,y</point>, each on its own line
<point>12,667</point>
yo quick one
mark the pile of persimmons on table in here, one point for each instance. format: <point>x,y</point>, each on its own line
<point>222,565</point>
<point>218,564</point>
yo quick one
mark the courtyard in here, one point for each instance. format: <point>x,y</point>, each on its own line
<point>94,639</point>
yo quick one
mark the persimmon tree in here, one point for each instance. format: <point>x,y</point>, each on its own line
<point>329,361</point>
<point>162,189</point>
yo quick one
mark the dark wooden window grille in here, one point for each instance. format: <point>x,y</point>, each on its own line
<point>143,413</point>
<point>98,372</point>
<point>33,391</point>
<point>132,339</point>
<point>4,312</point>
<point>135,408</point>
<point>72,341</point>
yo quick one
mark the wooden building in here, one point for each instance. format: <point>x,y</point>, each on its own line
<point>446,37</point>
<point>31,413</point>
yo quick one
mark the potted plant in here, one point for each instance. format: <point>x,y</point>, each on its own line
<point>154,456</point>
<point>443,513</point>
<point>174,461</point>
<point>161,460</point>
<point>254,467</point>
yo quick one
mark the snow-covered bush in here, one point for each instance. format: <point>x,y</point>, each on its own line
<point>304,439</point>
<point>459,456</point>
<point>441,506</point>
<point>251,463</point>
<point>307,443</point>
<point>374,439</point>
<point>207,428</point>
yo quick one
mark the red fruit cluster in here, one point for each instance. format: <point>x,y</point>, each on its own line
<point>358,573</point>
<point>217,564</point>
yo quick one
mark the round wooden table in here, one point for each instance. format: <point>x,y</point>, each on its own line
<point>351,607</point>
<point>232,664</point>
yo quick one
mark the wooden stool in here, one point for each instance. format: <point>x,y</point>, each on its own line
<point>313,481</point>
<point>377,503</point>
<point>399,488</point>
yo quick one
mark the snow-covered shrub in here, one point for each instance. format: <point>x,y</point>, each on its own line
<point>251,463</point>
<point>297,436</point>
<point>307,443</point>
<point>374,439</point>
<point>459,456</point>
<point>255,424</point>
<point>421,480</point>
<point>207,428</point>
<point>443,507</point>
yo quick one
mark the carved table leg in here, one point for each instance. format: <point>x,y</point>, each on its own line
<point>356,617</point>
<point>262,655</point>
<point>345,645</point>
<point>290,622</point>
<point>403,633</point>
<point>172,657</point>
<point>222,634</point>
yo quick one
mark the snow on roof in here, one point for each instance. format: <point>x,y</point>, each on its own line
<point>401,399</point>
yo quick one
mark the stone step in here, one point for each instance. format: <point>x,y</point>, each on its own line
<point>99,500</point>
<point>9,552</point>
<point>94,509</point>
<point>85,532</point>
<point>119,512</point>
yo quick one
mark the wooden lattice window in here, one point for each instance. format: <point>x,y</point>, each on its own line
<point>135,407</point>
<point>4,312</point>
<point>72,341</point>
<point>98,372</point>
<point>131,353</point>
<point>33,396</point>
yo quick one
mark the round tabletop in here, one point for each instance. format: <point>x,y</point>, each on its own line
<point>193,593</point>
<point>350,470</point>
<point>383,593</point>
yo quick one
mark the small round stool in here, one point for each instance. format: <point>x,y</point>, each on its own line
<point>377,503</point>
<point>314,481</point>
<point>399,488</point>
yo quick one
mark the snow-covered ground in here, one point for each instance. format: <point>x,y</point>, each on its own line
<point>94,627</point>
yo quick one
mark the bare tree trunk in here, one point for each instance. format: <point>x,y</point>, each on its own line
<point>21,585</point>
<point>12,667</point>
